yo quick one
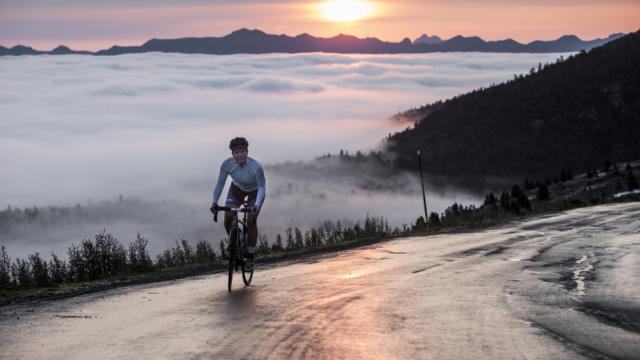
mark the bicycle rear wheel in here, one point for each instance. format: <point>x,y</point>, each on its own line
<point>247,275</point>
<point>232,254</point>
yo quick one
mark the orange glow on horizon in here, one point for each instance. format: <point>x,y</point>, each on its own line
<point>345,10</point>
<point>391,21</point>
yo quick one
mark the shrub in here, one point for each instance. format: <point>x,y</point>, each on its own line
<point>77,267</point>
<point>91,261</point>
<point>58,270</point>
<point>277,245</point>
<point>223,248</point>
<point>543,192</point>
<point>5,269</point>
<point>632,182</point>
<point>39,270</point>
<point>204,252</point>
<point>21,274</point>
<point>164,260</point>
<point>263,246</point>
<point>290,242</point>
<point>139,259</point>
<point>189,256</point>
<point>177,255</point>
<point>111,256</point>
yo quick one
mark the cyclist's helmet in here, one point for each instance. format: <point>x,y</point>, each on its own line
<point>238,142</point>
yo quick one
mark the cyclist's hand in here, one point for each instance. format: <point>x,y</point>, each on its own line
<point>214,208</point>
<point>255,209</point>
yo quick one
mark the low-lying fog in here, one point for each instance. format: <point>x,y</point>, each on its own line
<point>137,140</point>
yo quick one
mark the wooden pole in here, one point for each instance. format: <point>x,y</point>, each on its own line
<point>424,198</point>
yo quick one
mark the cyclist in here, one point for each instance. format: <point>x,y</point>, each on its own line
<point>247,180</point>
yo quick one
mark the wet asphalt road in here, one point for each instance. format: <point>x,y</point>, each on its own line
<point>564,286</point>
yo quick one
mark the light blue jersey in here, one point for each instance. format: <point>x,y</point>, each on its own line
<point>248,177</point>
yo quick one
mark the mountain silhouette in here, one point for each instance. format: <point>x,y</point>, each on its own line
<point>19,50</point>
<point>426,39</point>
<point>245,41</point>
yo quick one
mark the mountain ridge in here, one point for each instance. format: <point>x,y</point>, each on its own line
<point>246,41</point>
<point>574,114</point>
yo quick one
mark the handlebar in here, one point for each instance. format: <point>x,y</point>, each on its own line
<point>234,210</point>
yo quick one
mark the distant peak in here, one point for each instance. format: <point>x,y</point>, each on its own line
<point>426,39</point>
<point>343,36</point>
<point>460,37</point>
<point>615,36</point>
<point>245,31</point>
<point>21,47</point>
<point>569,37</point>
<point>61,49</point>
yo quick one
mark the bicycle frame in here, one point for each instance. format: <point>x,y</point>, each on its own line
<point>236,243</point>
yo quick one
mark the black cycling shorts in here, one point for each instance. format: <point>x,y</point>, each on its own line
<point>236,196</point>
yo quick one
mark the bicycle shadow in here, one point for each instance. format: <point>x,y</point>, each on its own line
<point>240,299</point>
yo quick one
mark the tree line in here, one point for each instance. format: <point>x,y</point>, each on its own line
<point>516,202</point>
<point>105,257</point>
<point>578,111</point>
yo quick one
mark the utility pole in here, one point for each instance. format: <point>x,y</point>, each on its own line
<point>424,198</point>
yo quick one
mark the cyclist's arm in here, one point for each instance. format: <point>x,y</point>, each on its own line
<point>222,178</point>
<point>261,186</point>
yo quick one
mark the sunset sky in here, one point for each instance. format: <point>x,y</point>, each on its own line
<point>93,24</point>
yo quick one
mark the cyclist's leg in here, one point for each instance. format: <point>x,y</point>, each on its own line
<point>252,224</point>
<point>228,216</point>
<point>252,220</point>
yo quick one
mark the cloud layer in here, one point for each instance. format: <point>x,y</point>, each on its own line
<point>155,127</point>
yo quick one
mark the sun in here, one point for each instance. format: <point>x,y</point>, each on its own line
<point>345,10</point>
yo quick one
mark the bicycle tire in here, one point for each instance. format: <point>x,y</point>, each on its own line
<point>232,255</point>
<point>247,276</point>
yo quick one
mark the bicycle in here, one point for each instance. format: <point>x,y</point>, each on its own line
<point>237,242</point>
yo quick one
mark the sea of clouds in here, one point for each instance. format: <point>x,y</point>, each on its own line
<point>154,127</point>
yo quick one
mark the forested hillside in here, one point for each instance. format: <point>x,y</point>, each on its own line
<point>574,114</point>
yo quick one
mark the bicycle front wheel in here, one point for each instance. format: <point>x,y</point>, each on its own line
<point>247,275</point>
<point>232,254</point>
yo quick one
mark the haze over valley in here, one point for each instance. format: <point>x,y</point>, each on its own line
<point>153,128</point>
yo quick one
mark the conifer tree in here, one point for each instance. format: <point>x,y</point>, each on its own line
<point>632,182</point>
<point>263,245</point>
<point>307,239</point>
<point>277,245</point>
<point>420,225</point>
<point>489,200</point>
<point>223,248</point>
<point>204,252</point>
<point>505,200</point>
<point>39,270</point>
<point>315,239</point>
<point>5,268</point>
<point>523,201</point>
<point>290,243</point>
<point>299,244</point>
<point>515,191</point>
<point>434,219</point>
<point>543,192</point>
<point>21,274</point>
<point>58,269</point>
